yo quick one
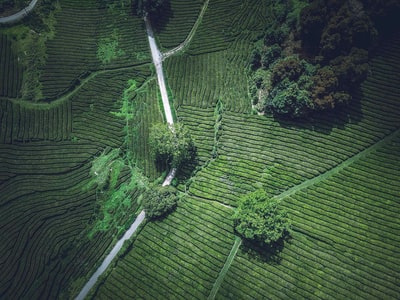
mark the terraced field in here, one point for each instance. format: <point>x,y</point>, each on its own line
<point>210,68</point>
<point>177,258</point>
<point>335,176</point>
<point>47,206</point>
<point>90,38</point>
<point>345,238</point>
<point>10,70</point>
<point>147,113</point>
<point>176,22</point>
<point>257,151</point>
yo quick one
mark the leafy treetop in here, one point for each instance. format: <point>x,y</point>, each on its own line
<point>171,144</point>
<point>158,201</point>
<point>260,219</point>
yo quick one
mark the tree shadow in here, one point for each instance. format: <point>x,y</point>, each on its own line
<point>265,253</point>
<point>161,18</point>
<point>325,121</point>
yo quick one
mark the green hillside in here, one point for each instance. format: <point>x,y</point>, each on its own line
<point>75,158</point>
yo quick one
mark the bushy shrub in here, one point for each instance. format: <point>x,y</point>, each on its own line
<point>270,55</point>
<point>290,100</point>
<point>171,144</point>
<point>158,201</point>
<point>260,218</point>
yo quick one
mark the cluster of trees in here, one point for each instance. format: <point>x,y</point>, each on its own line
<point>260,219</point>
<point>312,57</point>
<point>171,144</point>
<point>159,201</point>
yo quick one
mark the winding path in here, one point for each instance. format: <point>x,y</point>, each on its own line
<point>157,60</point>
<point>19,15</point>
<point>186,42</point>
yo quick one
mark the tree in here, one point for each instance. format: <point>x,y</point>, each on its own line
<point>171,143</point>
<point>158,201</point>
<point>259,218</point>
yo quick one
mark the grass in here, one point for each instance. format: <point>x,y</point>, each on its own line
<point>108,48</point>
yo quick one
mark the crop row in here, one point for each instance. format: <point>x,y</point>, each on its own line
<point>20,123</point>
<point>92,107</point>
<point>46,208</point>
<point>119,27</point>
<point>202,80</point>
<point>345,238</point>
<point>202,127</point>
<point>257,151</point>
<point>215,68</point>
<point>72,51</point>
<point>179,257</point>
<point>224,30</point>
<point>146,112</point>
<point>10,70</point>
<point>81,30</point>
<point>41,218</point>
<point>176,21</point>
<point>42,158</point>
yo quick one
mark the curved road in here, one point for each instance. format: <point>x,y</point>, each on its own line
<point>157,60</point>
<point>92,281</point>
<point>19,15</point>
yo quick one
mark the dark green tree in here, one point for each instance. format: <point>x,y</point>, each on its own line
<point>260,219</point>
<point>171,144</point>
<point>158,201</point>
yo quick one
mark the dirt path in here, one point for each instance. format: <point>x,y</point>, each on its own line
<point>339,167</point>
<point>157,60</point>
<point>225,268</point>
<point>186,42</point>
<point>92,281</point>
<point>19,15</point>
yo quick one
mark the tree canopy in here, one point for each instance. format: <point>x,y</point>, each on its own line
<point>332,38</point>
<point>158,201</point>
<point>171,144</point>
<point>259,218</point>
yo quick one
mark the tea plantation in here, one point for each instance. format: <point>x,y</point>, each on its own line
<point>75,159</point>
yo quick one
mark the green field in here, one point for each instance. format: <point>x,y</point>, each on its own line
<point>337,173</point>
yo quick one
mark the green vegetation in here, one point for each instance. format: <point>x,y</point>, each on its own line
<point>335,173</point>
<point>113,200</point>
<point>11,71</point>
<point>10,6</point>
<point>159,201</point>
<point>171,144</point>
<point>108,48</point>
<point>28,48</point>
<point>260,219</point>
<point>333,40</point>
<point>179,257</point>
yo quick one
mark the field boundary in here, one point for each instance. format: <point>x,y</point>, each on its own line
<point>225,268</point>
<point>192,32</point>
<point>339,167</point>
